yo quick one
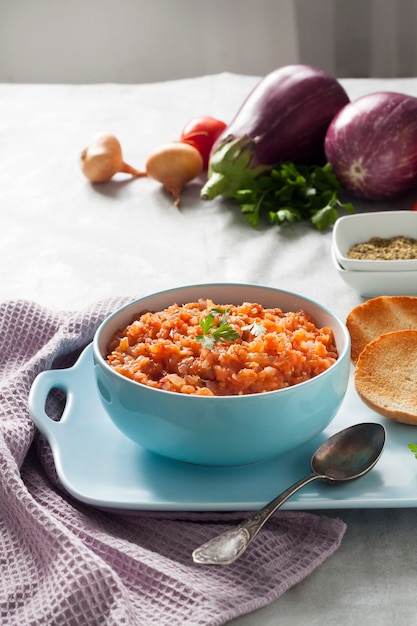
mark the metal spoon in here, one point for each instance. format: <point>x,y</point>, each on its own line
<point>347,455</point>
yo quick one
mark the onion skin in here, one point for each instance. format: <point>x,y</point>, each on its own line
<point>284,118</point>
<point>372,145</point>
<point>103,158</point>
<point>174,164</point>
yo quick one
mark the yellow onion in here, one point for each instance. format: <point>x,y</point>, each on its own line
<point>103,158</point>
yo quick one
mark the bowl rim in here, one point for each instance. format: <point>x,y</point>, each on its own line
<point>99,358</point>
<point>381,219</point>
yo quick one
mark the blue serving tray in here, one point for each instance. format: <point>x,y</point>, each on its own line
<point>100,466</point>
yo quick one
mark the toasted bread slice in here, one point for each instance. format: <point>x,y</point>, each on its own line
<point>385,376</point>
<point>378,316</point>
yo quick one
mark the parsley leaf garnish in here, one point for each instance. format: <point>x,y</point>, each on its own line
<point>413,448</point>
<point>220,333</point>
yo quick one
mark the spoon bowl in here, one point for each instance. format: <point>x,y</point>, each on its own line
<point>345,456</point>
<point>350,453</point>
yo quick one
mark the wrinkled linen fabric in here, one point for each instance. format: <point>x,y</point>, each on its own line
<point>64,562</point>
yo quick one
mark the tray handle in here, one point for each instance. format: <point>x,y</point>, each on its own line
<point>42,386</point>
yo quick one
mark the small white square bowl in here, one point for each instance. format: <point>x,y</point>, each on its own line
<point>373,284</point>
<point>361,227</point>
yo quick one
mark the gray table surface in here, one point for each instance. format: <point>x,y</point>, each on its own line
<point>66,244</point>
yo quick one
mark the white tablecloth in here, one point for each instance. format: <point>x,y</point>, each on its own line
<point>65,244</point>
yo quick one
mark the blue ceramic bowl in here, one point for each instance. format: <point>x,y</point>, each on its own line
<point>226,430</point>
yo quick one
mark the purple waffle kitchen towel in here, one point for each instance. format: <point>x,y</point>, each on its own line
<point>65,563</point>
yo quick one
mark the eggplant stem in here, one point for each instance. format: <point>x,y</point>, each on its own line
<point>214,186</point>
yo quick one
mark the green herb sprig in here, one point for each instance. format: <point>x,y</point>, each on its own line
<point>223,332</point>
<point>413,448</point>
<point>292,193</point>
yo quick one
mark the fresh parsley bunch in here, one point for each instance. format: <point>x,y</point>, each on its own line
<point>284,193</point>
<point>292,193</point>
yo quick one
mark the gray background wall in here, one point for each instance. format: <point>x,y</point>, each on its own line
<point>142,40</point>
<point>128,41</point>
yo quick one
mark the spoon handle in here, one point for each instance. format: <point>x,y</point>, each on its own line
<point>230,545</point>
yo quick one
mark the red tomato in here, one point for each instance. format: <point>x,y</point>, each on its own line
<point>202,132</point>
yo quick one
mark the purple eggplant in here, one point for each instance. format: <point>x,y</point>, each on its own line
<point>372,145</point>
<point>284,118</point>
